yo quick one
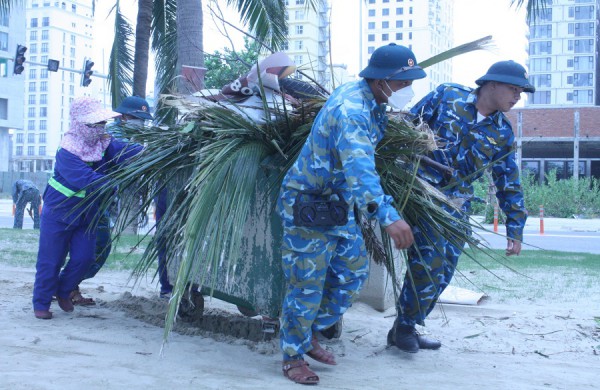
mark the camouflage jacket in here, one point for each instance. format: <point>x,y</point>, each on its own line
<point>339,155</point>
<point>468,146</point>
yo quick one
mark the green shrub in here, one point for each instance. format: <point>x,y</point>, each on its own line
<point>565,198</point>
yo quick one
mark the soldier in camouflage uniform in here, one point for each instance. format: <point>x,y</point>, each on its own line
<point>472,133</point>
<point>23,192</point>
<point>325,264</point>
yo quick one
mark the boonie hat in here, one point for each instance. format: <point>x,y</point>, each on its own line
<point>507,72</point>
<point>88,110</point>
<point>393,62</point>
<point>135,106</point>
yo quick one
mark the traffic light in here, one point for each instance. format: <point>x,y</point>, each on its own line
<point>19,59</point>
<point>87,73</point>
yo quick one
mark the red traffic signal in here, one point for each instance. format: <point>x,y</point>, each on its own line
<point>19,59</point>
<point>87,73</point>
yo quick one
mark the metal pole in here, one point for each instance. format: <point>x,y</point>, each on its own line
<point>576,148</point>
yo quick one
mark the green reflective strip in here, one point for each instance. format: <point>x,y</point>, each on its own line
<point>64,190</point>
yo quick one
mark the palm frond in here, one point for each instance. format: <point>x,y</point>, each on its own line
<point>534,8</point>
<point>264,18</point>
<point>120,75</point>
<point>484,43</point>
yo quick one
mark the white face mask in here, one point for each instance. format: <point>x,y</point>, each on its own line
<point>401,97</point>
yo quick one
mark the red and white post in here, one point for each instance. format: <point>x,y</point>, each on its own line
<point>496,218</point>
<point>542,219</point>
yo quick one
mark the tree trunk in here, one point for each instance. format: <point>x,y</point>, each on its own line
<point>190,47</point>
<point>142,47</point>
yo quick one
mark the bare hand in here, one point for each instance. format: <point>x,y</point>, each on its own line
<point>401,234</point>
<point>513,247</point>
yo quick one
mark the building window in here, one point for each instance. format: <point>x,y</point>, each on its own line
<point>299,15</point>
<point>570,80</point>
<point>30,125</point>
<point>583,79</point>
<point>583,63</point>
<point>33,48</point>
<point>371,12</point>
<point>583,96</point>
<point>385,24</point>
<point>299,29</point>
<point>32,74</point>
<point>45,47</point>
<point>44,73</point>
<point>31,99</point>
<point>541,80</point>
<point>44,59</point>
<point>20,138</point>
<point>583,12</point>
<point>398,36</point>
<point>44,86</point>
<point>31,138</point>
<point>298,60</point>
<point>299,45</point>
<point>410,10</point>
<point>43,112</point>
<point>569,96</point>
<point>32,86</point>
<point>583,45</point>
<point>371,1</point>
<point>371,37</point>
<point>42,151</point>
<point>72,52</point>
<point>31,112</point>
<point>370,49</point>
<point>569,63</point>
<point>410,35</point>
<point>3,67</point>
<point>43,99</point>
<point>285,46</point>
<point>73,8</point>
<point>385,12</point>
<point>410,23</point>
<point>299,2</point>
<point>45,35</point>
<point>540,97</point>
<point>33,35</point>
<point>540,64</point>
<point>42,136</point>
<point>399,23</point>
<point>71,90</point>
<point>33,22</point>
<point>19,151</point>
<point>31,150</point>
<point>4,109</point>
<point>45,21</point>
<point>371,26</point>
<point>543,31</point>
<point>4,19</point>
<point>72,39</point>
<point>385,37</point>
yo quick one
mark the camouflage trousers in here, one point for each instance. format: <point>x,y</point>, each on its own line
<point>324,273</point>
<point>431,266</point>
<point>28,196</point>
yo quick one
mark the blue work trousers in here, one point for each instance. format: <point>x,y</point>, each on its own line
<point>324,273</point>
<point>57,239</point>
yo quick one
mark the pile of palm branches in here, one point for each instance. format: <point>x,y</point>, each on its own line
<point>221,170</point>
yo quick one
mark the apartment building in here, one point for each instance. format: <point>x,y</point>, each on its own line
<point>12,33</point>
<point>308,39</point>
<point>563,54</point>
<point>425,26</point>
<point>55,30</point>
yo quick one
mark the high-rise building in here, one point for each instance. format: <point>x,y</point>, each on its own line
<point>62,31</point>
<point>12,34</point>
<point>563,54</point>
<point>424,26</point>
<point>308,39</point>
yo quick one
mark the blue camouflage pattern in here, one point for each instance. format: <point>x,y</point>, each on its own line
<point>467,146</point>
<point>325,267</point>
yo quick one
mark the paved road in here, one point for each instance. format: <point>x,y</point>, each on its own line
<point>560,234</point>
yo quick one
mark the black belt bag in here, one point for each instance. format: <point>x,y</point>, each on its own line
<point>312,208</point>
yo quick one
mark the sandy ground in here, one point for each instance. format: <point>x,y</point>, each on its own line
<point>520,344</point>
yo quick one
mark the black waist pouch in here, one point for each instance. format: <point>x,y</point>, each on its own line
<point>312,208</point>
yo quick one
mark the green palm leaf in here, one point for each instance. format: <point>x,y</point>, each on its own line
<point>120,76</point>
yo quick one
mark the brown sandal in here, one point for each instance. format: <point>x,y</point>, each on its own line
<point>320,354</point>
<point>80,300</point>
<point>298,371</point>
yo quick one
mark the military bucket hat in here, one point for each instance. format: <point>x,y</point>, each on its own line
<point>136,107</point>
<point>507,72</point>
<point>393,62</point>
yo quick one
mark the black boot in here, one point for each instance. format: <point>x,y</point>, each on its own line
<point>404,337</point>
<point>425,343</point>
